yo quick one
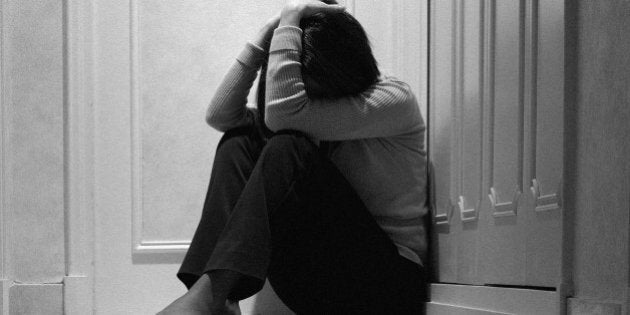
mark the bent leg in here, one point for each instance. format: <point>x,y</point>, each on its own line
<point>301,223</point>
<point>330,257</point>
<point>234,161</point>
<point>245,246</point>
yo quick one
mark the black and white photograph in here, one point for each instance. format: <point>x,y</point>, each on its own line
<point>288,157</point>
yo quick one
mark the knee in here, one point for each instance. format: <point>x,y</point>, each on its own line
<point>290,141</point>
<point>239,140</point>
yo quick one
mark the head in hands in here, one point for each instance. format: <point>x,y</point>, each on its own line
<point>337,58</point>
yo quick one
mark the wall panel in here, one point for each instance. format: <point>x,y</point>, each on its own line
<point>176,65</point>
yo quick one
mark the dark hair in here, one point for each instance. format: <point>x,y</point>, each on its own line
<point>336,59</point>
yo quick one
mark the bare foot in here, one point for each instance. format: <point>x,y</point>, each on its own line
<point>198,300</point>
<point>230,308</point>
<point>187,304</point>
<point>184,306</point>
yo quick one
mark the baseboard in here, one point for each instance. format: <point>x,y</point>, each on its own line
<point>434,308</point>
<point>4,296</point>
<point>495,300</point>
<point>578,306</point>
<point>36,298</point>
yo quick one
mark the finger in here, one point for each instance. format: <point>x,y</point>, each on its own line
<point>332,8</point>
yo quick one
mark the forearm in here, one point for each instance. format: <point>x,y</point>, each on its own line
<point>228,107</point>
<point>263,38</point>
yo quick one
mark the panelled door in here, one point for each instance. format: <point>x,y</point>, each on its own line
<point>496,143</point>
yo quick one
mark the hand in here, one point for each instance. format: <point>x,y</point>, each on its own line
<point>296,10</point>
<point>307,8</point>
<point>265,34</point>
<point>273,22</point>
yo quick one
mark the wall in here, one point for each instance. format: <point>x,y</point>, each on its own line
<point>32,169</point>
<point>599,171</point>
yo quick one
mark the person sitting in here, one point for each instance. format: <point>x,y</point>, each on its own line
<point>321,188</point>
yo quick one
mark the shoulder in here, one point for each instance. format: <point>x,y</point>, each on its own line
<point>394,88</point>
<point>396,94</point>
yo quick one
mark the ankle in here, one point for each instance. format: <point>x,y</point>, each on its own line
<point>202,285</point>
<point>222,282</point>
<point>218,302</point>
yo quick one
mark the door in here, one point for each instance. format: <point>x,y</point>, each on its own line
<point>496,143</point>
<point>156,65</point>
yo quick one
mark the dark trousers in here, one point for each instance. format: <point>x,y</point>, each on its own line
<point>279,209</point>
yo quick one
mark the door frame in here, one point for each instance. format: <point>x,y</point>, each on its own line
<point>78,283</point>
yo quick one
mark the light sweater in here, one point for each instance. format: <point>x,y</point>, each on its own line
<point>380,133</point>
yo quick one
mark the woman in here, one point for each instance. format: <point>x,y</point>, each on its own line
<point>321,189</point>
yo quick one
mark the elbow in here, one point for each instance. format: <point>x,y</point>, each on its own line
<point>215,122</point>
<point>273,123</point>
<point>272,119</point>
<point>211,118</point>
<point>281,115</point>
<point>285,113</point>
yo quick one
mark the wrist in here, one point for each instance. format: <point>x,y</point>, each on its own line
<point>263,38</point>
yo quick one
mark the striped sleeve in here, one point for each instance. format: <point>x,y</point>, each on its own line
<point>387,108</point>
<point>228,107</point>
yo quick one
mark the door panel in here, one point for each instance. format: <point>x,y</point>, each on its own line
<point>504,255</point>
<point>506,105</point>
<point>496,127</point>
<point>441,136</point>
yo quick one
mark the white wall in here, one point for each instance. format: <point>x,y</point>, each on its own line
<point>598,166</point>
<point>32,124</point>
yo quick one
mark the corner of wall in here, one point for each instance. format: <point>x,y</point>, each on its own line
<point>5,285</point>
